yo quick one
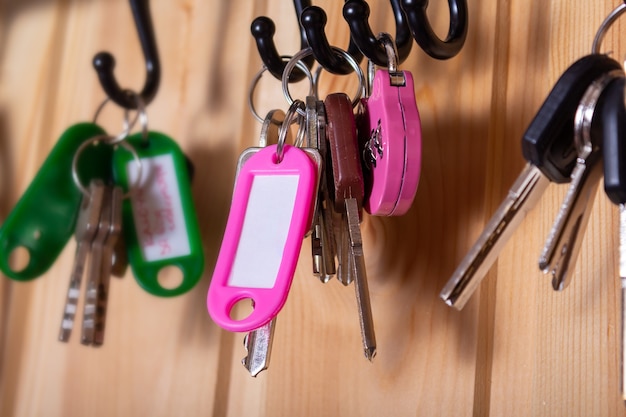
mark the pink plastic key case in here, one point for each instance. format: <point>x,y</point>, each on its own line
<point>393,150</point>
<point>268,218</point>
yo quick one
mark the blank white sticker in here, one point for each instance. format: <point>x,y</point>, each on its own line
<point>157,209</point>
<point>264,232</point>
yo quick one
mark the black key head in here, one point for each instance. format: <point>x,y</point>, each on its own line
<point>549,140</point>
<point>614,141</point>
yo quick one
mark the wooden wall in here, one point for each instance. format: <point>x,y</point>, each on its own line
<point>517,349</point>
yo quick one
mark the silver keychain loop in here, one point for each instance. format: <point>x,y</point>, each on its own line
<point>271,127</point>
<point>390,49</point>
<point>105,140</point>
<point>397,76</point>
<point>291,116</point>
<point>129,124</point>
<point>371,72</point>
<point>305,53</point>
<point>585,111</point>
<point>259,74</point>
<point>606,24</point>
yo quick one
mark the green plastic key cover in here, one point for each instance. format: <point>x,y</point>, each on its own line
<point>44,218</point>
<point>159,218</point>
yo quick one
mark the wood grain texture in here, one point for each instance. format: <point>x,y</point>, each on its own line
<point>517,349</point>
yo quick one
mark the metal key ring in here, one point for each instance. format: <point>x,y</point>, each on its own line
<point>390,48</point>
<point>305,53</point>
<point>397,77</point>
<point>585,111</point>
<point>612,17</point>
<point>290,117</point>
<point>105,139</point>
<point>128,123</point>
<point>271,127</point>
<point>259,74</point>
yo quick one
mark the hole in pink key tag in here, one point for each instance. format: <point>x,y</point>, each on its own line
<point>392,140</point>
<point>268,219</point>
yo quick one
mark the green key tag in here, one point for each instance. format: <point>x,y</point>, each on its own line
<point>160,222</point>
<point>44,218</point>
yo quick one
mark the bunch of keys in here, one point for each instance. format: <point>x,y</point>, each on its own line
<point>98,228</point>
<point>96,212</point>
<point>548,145</point>
<point>576,137</point>
<point>336,234</point>
<point>271,211</point>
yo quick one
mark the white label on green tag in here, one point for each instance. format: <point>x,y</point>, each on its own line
<point>157,209</point>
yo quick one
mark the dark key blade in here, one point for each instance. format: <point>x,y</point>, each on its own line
<point>614,146</point>
<point>347,172</point>
<point>548,143</point>
<point>614,153</point>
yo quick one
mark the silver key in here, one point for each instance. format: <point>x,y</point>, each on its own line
<point>344,270</point>
<point>357,265</point>
<point>622,274</point>
<point>312,141</point>
<point>521,199</point>
<point>329,246</point>
<point>322,238</point>
<point>108,250</point>
<point>258,344</point>
<point>564,241</point>
<point>86,228</point>
<point>95,271</point>
<point>120,258</point>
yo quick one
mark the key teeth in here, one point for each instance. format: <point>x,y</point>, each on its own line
<point>324,279</point>
<point>370,353</point>
<point>254,372</point>
<point>247,363</point>
<point>449,302</point>
<point>557,282</point>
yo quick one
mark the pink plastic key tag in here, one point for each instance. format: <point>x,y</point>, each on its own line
<point>267,222</point>
<point>393,149</point>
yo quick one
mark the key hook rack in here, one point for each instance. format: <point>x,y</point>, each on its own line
<point>425,36</point>
<point>104,62</point>
<point>263,30</point>
<point>357,12</point>
<point>313,19</point>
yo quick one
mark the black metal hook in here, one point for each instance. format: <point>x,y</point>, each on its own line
<point>104,62</point>
<point>313,20</point>
<point>263,30</point>
<point>425,36</point>
<point>356,13</point>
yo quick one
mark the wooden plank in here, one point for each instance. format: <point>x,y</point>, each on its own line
<point>555,353</point>
<point>516,349</point>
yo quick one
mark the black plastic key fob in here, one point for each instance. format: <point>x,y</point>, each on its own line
<point>614,142</point>
<point>549,140</point>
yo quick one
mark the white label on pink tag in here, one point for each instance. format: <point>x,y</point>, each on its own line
<point>264,232</point>
<point>157,209</point>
